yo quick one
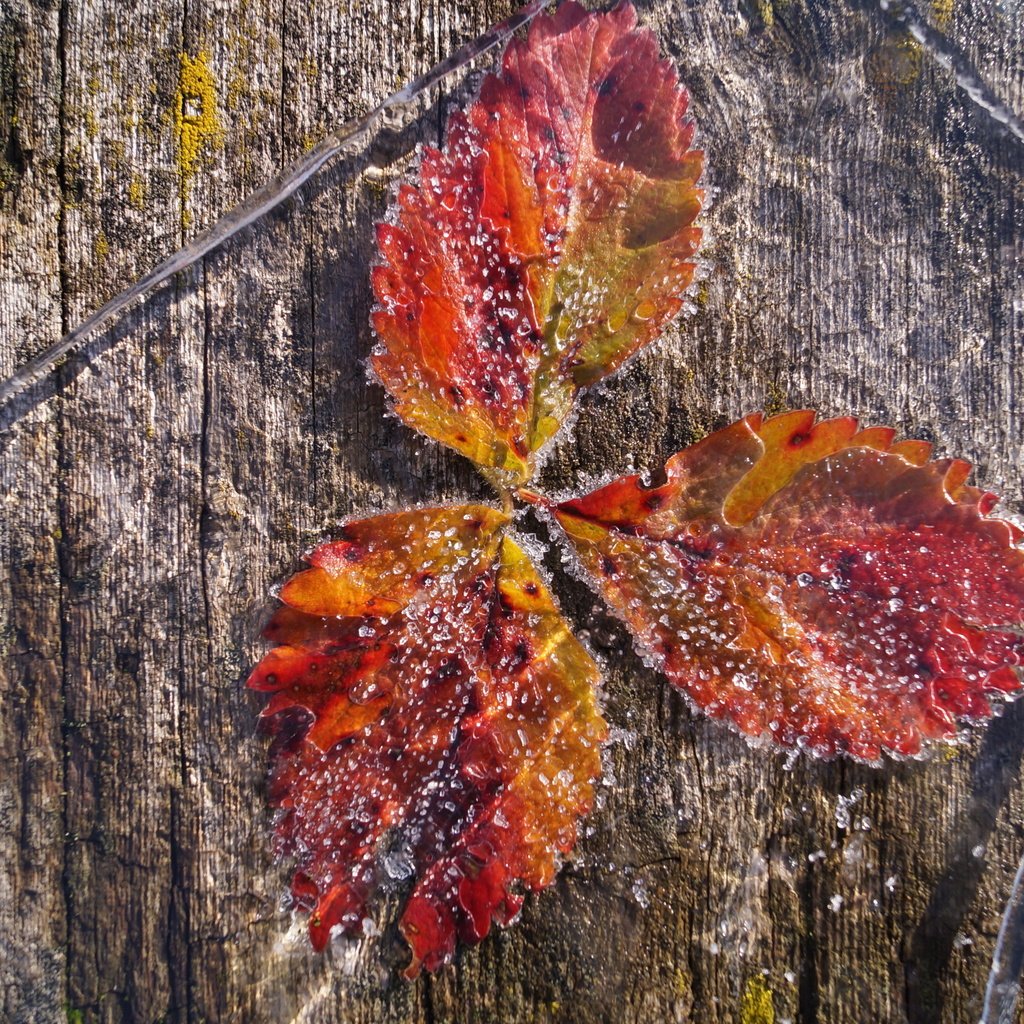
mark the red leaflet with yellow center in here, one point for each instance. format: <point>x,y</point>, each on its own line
<point>550,240</point>
<point>435,726</point>
<point>815,585</point>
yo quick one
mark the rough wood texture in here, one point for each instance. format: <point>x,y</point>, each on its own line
<point>865,256</point>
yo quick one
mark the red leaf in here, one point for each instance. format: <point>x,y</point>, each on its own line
<point>548,242</point>
<point>435,722</point>
<point>815,585</point>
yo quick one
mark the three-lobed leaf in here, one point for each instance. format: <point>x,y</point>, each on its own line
<point>550,240</point>
<point>436,732</point>
<point>435,724</point>
<point>814,584</point>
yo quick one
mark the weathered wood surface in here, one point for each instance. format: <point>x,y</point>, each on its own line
<point>865,254</point>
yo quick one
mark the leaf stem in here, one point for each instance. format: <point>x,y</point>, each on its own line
<point>531,497</point>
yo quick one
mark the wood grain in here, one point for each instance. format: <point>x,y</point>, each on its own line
<point>864,255</point>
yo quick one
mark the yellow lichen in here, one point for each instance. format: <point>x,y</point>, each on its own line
<point>92,126</point>
<point>196,121</point>
<point>93,85</point>
<point>775,399</point>
<point>100,247</point>
<point>242,46</point>
<point>895,65</point>
<point>912,54</point>
<point>767,12</point>
<point>942,12</point>
<point>238,89</point>
<point>681,983</point>
<point>136,192</point>
<point>757,1007</point>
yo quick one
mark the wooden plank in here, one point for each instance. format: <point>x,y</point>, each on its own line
<point>864,256</point>
<point>129,476</point>
<point>32,890</point>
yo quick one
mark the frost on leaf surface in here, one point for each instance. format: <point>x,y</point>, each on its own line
<point>550,240</point>
<point>815,584</point>
<point>435,727</point>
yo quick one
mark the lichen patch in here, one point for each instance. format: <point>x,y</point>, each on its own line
<point>197,127</point>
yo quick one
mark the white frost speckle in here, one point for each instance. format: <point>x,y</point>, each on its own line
<point>640,893</point>
<point>843,805</point>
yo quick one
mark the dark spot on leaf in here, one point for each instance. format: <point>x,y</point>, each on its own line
<point>845,565</point>
<point>447,670</point>
<point>522,653</point>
